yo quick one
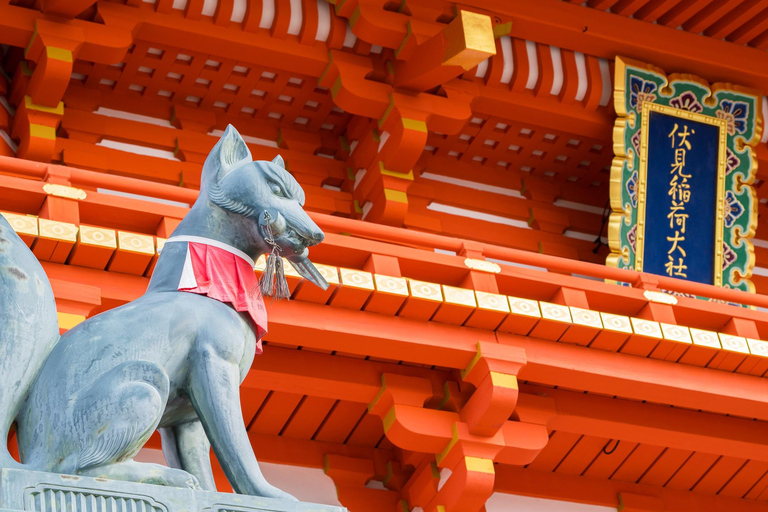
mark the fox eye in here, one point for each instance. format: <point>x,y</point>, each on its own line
<point>276,189</point>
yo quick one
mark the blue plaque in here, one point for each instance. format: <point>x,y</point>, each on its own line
<point>680,194</point>
<point>682,200</point>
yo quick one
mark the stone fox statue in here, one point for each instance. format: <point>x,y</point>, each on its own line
<point>85,403</point>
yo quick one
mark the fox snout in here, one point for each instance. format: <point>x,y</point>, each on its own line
<point>306,230</point>
<point>294,228</point>
<point>316,236</point>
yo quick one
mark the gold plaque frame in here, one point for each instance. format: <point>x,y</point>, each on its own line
<point>721,124</point>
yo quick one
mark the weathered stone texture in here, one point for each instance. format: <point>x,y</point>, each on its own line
<point>49,492</point>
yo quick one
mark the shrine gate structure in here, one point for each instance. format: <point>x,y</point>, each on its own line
<point>473,351</point>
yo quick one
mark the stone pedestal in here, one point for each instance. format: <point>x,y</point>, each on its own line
<point>50,492</point>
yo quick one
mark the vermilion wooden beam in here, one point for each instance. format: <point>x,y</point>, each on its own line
<point>655,424</point>
<point>115,287</point>
<point>544,112</point>
<point>755,25</point>
<point>461,46</point>
<point>605,35</point>
<point>551,363</point>
<point>303,452</point>
<point>323,375</point>
<point>168,138</point>
<point>736,21</point>
<point>143,216</point>
<point>654,10</point>
<point>707,15</point>
<point>66,8</point>
<point>369,334</point>
<point>350,474</point>
<point>257,47</point>
<point>548,485</point>
<point>638,378</point>
<point>105,45</point>
<point>316,374</point>
<point>362,333</point>
<point>299,452</point>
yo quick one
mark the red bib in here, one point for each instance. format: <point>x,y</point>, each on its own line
<point>219,274</point>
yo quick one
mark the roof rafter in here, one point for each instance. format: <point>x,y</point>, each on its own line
<point>541,484</point>
<point>606,35</point>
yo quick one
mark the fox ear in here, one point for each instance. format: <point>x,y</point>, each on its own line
<point>233,150</point>
<point>278,160</point>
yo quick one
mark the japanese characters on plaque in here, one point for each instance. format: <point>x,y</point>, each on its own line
<point>679,183</point>
<point>681,196</point>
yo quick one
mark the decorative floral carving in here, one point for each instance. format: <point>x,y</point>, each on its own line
<point>735,114</point>
<point>687,101</point>
<point>632,189</point>
<point>733,208</point>
<point>636,142</point>
<point>632,237</point>
<point>731,161</point>
<point>729,256</point>
<point>640,91</point>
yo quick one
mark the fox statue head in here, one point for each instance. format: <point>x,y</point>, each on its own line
<point>267,198</point>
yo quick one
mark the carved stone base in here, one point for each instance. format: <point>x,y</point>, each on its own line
<point>50,492</point>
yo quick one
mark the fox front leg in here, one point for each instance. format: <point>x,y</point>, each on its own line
<point>187,447</point>
<point>213,389</point>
